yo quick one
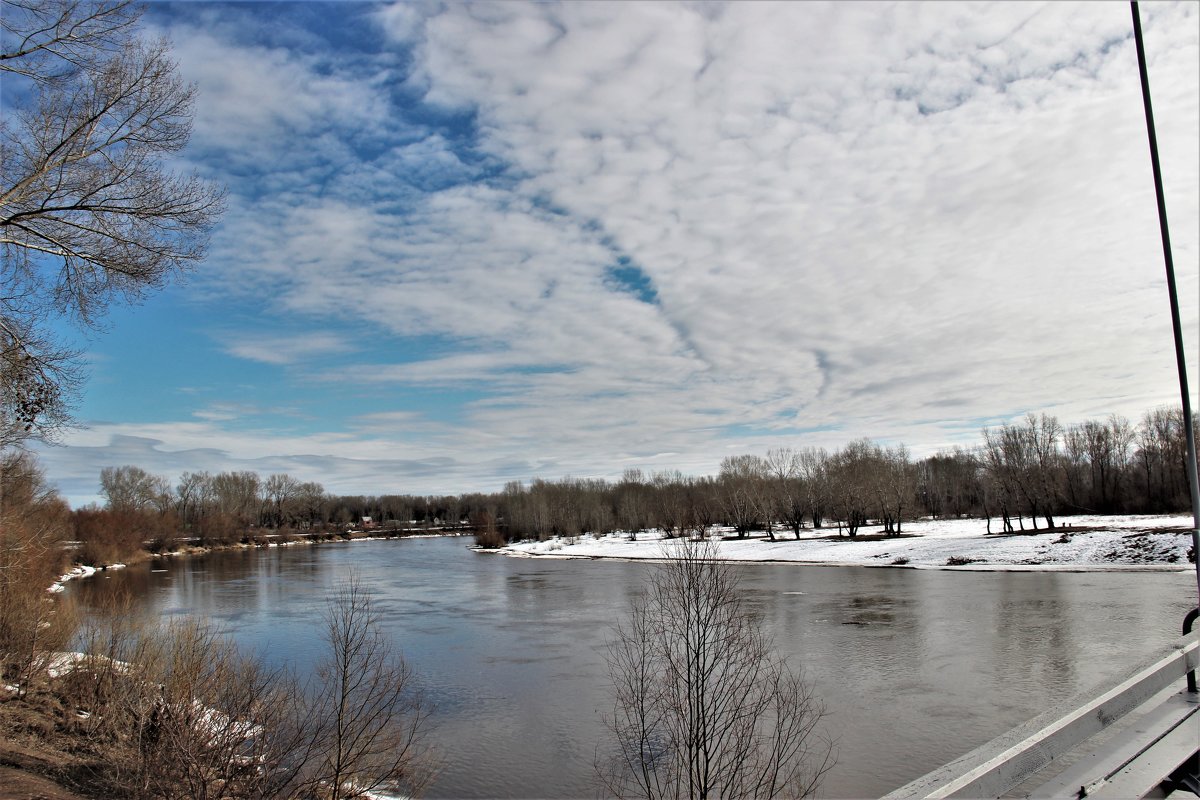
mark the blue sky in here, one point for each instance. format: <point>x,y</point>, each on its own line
<point>473,243</point>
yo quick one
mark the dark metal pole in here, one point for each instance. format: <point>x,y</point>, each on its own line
<point>1174,297</point>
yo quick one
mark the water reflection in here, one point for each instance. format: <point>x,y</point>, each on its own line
<point>1026,624</point>
<point>915,666</point>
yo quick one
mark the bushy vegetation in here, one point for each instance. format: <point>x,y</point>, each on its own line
<point>109,536</point>
<point>173,711</point>
<point>34,527</point>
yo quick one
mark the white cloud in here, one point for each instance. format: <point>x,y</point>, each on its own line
<point>220,412</point>
<point>883,220</point>
<point>945,185</point>
<point>267,106</point>
<point>284,349</point>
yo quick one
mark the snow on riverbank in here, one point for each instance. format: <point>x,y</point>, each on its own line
<point>1079,543</point>
<point>86,571</point>
<point>79,571</point>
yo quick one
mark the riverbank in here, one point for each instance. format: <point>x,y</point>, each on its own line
<point>1078,543</point>
<point>258,542</point>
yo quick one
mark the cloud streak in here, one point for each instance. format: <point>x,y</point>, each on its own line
<point>636,229</point>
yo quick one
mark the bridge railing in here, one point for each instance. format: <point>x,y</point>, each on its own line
<point>1166,733</point>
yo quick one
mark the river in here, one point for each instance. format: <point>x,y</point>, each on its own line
<point>914,666</point>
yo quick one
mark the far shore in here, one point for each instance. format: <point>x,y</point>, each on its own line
<point>1093,543</point>
<point>1125,543</point>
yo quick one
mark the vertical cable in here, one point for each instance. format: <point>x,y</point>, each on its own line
<point>1180,360</point>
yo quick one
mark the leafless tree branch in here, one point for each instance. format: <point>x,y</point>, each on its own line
<point>89,214</point>
<point>703,708</point>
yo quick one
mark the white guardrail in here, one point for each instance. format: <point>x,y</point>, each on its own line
<point>1133,762</point>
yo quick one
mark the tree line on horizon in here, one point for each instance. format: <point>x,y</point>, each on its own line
<point>1025,472</point>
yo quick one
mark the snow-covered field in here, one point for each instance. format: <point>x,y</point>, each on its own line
<point>1078,543</point>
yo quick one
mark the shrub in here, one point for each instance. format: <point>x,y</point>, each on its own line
<point>34,526</point>
<point>109,537</point>
<point>490,538</point>
<point>218,529</point>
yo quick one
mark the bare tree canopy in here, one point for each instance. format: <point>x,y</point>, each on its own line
<point>129,488</point>
<point>365,724</point>
<point>703,707</point>
<point>89,214</point>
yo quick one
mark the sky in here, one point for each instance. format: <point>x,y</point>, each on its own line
<point>467,244</point>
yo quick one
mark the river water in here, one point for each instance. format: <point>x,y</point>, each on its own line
<point>914,667</point>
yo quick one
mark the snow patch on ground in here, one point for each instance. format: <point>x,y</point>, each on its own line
<point>1083,543</point>
<point>77,572</point>
<point>57,664</point>
<point>80,571</point>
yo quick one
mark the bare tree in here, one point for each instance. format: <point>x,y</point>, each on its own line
<point>633,503</point>
<point>1025,463</point>
<point>1110,456</point>
<point>764,490</point>
<point>278,493</point>
<point>703,707</point>
<point>310,502</point>
<point>897,482</point>
<point>1043,433</point>
<point>204,737</point>
<point>948,483</point>
<point>236,495</point>
<point>51,41</point>
<point>737,483</point>
<point>130,488</point>
<point>365,717</point>
<point>671,510</point>
<point>538,508</point>
<point>850,476</point>
<point>36,377</point>
<point>1162,458</point>
<point>88,212</point>
<point>192,493</point>
<point>792,492</point>
<point>163,497</point>
<point>814,470</point>
<point>600,515</point>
